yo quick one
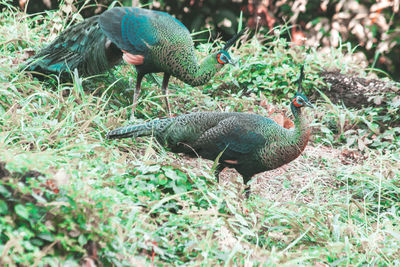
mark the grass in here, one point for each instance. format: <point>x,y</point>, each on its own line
<point>68,196</point>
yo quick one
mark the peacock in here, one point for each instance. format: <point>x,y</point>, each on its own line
<point>247,142</point>
<point>153,41</point>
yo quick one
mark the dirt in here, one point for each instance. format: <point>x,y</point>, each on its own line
<point>297,181</point>
<point>357,92</point>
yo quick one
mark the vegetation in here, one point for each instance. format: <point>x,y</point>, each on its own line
<point>371,26</point>
<point>67,195</point>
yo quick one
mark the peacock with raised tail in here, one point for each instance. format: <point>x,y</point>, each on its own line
<point>249,143</point>
<point>153,41</point>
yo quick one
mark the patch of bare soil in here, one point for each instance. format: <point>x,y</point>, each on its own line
<point>356,91</point>
<point>303,180</point>
<point>306,179</point>
<point>309,178</point>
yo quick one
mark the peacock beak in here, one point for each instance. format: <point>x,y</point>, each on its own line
<point>308,104</point>
<point>233,62</point>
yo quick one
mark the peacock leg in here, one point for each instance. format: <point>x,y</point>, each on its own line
<point>137,92</point>
<point>247,192</point>
<point>247,189</point>
<point>164,88</point>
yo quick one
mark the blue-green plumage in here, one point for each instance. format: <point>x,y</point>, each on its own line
<point>250,143</point>
<point>94,46</point>
<point>80,47</point>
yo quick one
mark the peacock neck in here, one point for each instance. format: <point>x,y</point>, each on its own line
<point>289,143</point>
<point>200,73</point>
<point>301,132</point>
<point>298,119</point>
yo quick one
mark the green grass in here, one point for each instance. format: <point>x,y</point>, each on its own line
<point>127,202</point>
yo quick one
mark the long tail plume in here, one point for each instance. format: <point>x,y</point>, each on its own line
<point>130,131</point>
<point>145,129</point>
<point>233,39</point>
<point>82,46</point>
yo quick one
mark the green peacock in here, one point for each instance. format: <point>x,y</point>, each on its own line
<point>249,143</point>
<point>153,41</point>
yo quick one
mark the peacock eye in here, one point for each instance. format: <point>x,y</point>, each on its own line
<point>300,100</point>
<point>221,58</point>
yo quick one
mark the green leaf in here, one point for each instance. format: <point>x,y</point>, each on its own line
<point>216,161</point>
<point>46,236</point>
<point>172,174</point>
<point>162,179</point>
<point>22,211</point>
<point>3,207</point>
<point>37,242</point>
<point>82,240</point>
<point>28,246</point>
<point>4,191</point>
<point>40,199</point>
<point>178,189</point>
<point>240,25</point>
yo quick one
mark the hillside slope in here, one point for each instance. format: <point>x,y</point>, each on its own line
<point>67,195</point>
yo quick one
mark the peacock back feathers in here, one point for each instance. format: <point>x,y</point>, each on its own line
<point>164,42</point>
<point>82,47</point>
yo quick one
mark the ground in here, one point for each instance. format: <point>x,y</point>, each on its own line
<point>69,196</point>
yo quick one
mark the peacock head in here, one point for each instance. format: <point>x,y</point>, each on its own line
<point>300,100</point>
<point>223,56</point>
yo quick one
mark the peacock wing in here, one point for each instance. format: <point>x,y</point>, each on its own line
<point>236,136</point>
<point>131,29</point>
